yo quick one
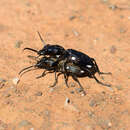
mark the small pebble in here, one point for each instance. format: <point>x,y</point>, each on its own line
<point>93,103</point>
<point>51,89</point>
<point>91,114</point>
<point>68,105</point>
<point>2,80</point>
<point>105,0</point>
<point>113,7</point>
<point>111,89</point>
<point>122,30</point>
<point>72,17</point>
<point>121,16</point>
<point>72,84</point>
<point>109,124</point>
<point>72,92</point>
<point>7,95</point>
<point>18,44</point>
<point>15,81</point>
<point>83,94</point>
<point>113,49</point>
<point>119,87</point>
<point>38,93</point>
<point>2,83</point>
<point>102,77</point>
<point>75,33</point>
<point>24,123</point>
<point>67,101</point>
<point>78,90</point>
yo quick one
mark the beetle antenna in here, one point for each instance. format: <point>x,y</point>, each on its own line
<point>30,49</point>
<point>25,69</point>
<point>41,38</point>
<point>28,71</point>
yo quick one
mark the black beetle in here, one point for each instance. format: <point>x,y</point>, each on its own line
<point>62,67</point>
<point>74,56</point>
<point>50,50</point>
<point>69,62</point>
<point>84,61</point>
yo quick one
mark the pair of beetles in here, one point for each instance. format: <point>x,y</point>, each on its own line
<point>70,62</point>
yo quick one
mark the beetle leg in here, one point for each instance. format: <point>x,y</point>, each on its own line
<point>97,68</point>
<point>76,79</point>
<point>66,80</point>
<point>108,85</point>
<point>43,74</point>
<point>56,79</point>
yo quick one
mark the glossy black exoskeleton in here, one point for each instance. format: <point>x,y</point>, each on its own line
<point>70,62</point>
<point>62,67</point>
<point>42,63</point>
<point>84,62</point>
<point>49,50</point>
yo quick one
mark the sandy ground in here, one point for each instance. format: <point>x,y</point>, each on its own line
<point>99,28</point>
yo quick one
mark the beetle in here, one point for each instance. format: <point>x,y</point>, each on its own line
<point>48,49</point>
<point>74,56</point>
<point>84,61</point>
<point>62,67</point>
<point>70,62</point>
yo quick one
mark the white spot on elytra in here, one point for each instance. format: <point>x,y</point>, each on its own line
<point>67,67</point>
<point>89,66</point>
<point>82,71</point>
<point>57,56</point>
<point>73,58</point>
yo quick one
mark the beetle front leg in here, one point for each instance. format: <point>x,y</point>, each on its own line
<point>42,75</point>
<point>56,79</point>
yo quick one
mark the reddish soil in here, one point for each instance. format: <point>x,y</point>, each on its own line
<point>99,28</point>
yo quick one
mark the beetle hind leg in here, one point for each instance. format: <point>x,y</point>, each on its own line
<point>97,68</point>
<point>108,85</point>
<point>81,88</point>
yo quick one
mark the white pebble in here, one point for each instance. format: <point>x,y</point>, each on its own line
<point>31,128</point>
<point>67,101</point>
<point>15,81</point>
<point>69,106</point>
